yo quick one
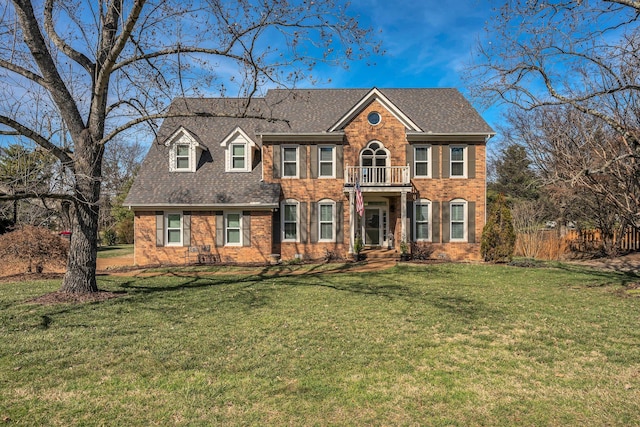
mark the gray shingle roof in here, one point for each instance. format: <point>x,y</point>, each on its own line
<point>280,111</point>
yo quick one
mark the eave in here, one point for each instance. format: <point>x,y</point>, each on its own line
<point>448,137</point>
<point>302,137</point>
<point>204,206</point>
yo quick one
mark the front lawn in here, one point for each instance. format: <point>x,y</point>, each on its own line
<point>446,344</point>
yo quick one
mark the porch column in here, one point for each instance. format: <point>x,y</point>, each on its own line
<point>403,216</point>
<point>352,216</point>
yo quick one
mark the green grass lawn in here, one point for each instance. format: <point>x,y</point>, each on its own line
<point>446,344</point>
<point>114,251</point>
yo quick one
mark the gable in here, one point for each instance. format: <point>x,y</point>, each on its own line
<point>375,95</point>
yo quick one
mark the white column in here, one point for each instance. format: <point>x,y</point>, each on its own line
<point>352,216</point>
<point>403,215</point>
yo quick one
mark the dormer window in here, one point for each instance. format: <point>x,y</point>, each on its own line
<point>183,151</point>
<point>238,151</point>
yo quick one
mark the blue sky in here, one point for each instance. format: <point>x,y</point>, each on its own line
<point>428,43</point>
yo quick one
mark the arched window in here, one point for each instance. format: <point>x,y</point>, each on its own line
<point>374,160</point>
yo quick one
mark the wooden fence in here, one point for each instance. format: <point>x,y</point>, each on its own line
<point>590,240</point>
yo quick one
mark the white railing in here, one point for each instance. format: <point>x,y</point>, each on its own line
<point>377,175</point>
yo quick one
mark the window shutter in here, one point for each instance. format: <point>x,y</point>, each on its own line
<point>339,161</point>
<point>471,228</point>
<point>277,232</point>
<point>435,222</point>
<point>446,161</point>
<point>303,222</point>
<point>277,161</point>
<point>219,228</point>
<point>410,220</point>
<point>314,222</point>
<point>302,158</point>
<point>471,155</point>
<point>246,228</point>
<point>339,222</point>
<point>314,161</point>
<point>435,161</point>
<point>446,234</point>
<point>186,228</point>
<point>159,228</point>
<point>409,149</point>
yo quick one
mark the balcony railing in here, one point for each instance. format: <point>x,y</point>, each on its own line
<point>377,175</point>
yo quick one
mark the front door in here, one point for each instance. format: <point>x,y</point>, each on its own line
<point>375,226</point>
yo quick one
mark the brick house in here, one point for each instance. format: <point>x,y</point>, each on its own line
<point>283,180</point>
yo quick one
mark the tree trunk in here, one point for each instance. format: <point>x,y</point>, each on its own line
<point>83,250</point>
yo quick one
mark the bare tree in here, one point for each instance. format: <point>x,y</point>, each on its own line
<point>581,55</point>
<point>97,69</point>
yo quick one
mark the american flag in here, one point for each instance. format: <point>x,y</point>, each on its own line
<point>359,201</point>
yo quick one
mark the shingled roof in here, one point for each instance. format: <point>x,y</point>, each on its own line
<point>211,120</point>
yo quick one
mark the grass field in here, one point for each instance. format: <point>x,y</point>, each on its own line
<point>446,344</point>
<point>114,251</point>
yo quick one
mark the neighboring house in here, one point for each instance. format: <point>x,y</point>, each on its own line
<point>282,179</point>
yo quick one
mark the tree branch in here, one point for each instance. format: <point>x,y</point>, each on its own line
<point>20,129</point>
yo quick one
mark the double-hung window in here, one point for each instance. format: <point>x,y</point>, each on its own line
<point>233,228</point>
<point>458,160</point>
<point>183,156</point>
<point>290,162</point>
<point>458,226</point>
<point>290,223</point>
<point>421,158</point>
<point>327,221</point>
<point>173,222</point>
<point>238,157</point>
<point>422,220</point>
<point>326,160</point>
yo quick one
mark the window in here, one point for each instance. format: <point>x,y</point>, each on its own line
<point>290,221</point>
<point>238,159</point>
<point>173,222</point>
<point>374,118</point>
<point>326,221</point>
<point>233,228</point>
<point>421,161</point>
<point>458,155</point>
<point>326,159</point>
<point>290,161</point>
<point>458,220</point>
<point>182,157</point>
<point>422,220</point>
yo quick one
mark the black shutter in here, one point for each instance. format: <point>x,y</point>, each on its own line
<point>314,161</point>
<point>302,156</point>
<point>277,161</point>
<point>276,231</point>
<point>471,154</point>
<point>339,161</point>
<point>471,228</point>
<point>159,228</point>
<point>435,222</point>
<point>446,161</point>
<point>246,228</point>
<point>219,228</point>
<point>314,222</point>
<point>435,160</point>
<point>410,221</point>
<point>446,234</point>
<point>303,222</point>
<point>186,228</point>
<point>409,149</point>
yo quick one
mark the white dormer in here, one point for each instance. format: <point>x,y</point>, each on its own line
<point>183,151</point>
<point>239,150</point>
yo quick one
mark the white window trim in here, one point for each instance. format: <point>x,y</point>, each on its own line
<point>238,137</point>
<point>333,161</point>
<point>466,220</point>
<point>182,137</point>
<point>282,161</point>
<point>422,202</point>
<point>282,221</point>
<point>464,161</point>
<point>327,202</point>
<point>415,161</point>
<point>166,228</point>
<point>226,236</point>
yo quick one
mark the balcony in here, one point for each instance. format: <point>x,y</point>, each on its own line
<point>377,175</point>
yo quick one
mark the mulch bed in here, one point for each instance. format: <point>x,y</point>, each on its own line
<point>59,297</point>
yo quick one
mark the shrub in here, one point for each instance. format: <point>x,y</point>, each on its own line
<point>421,252</point>
<point>35,245</point>
<point>109,237</point>
<point>498,235</point>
